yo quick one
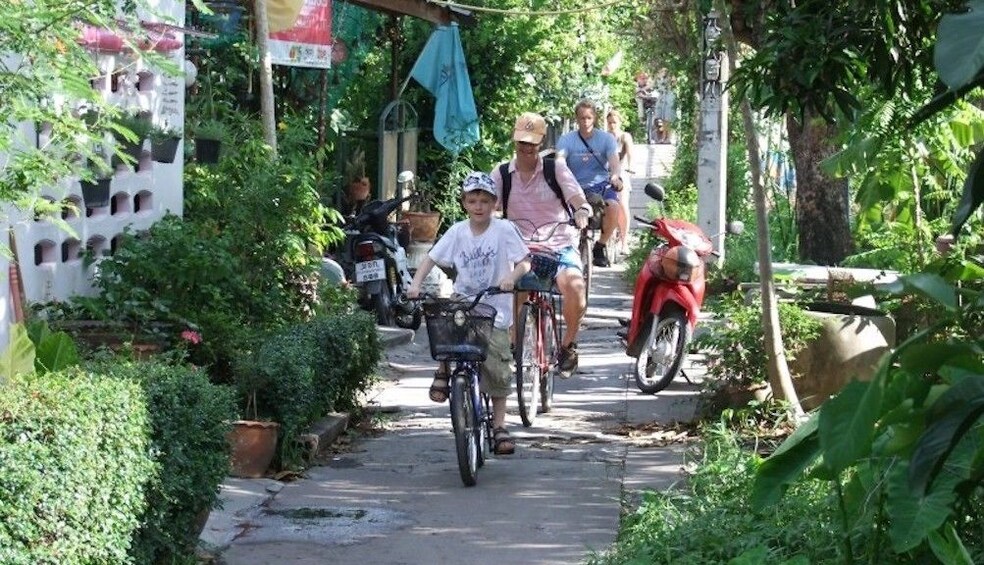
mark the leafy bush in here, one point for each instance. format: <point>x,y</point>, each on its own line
<point>74,453</point>
<point>709,520</point>
<point>174,274</point>
<point>736,347</point>
<point>189,418</point>
<point>307,370</point>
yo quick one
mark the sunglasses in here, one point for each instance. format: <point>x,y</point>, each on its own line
<point>527,144</point>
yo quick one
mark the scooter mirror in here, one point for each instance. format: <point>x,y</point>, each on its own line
<point>655,191</point>
<point>404,177</point>
<point>735,227</point>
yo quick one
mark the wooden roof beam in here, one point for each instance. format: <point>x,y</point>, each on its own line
<point>417,8</point>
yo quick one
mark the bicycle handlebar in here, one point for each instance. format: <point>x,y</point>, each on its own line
<point>478,297</point>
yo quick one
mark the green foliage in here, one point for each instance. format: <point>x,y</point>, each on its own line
<point>54,351</point>
<point>905,449</point>
<point>74,450</point>
<point>735,345</point>
<point>189,418</point>
<point>271,212</point>
<point>20,356</point>
<point>304,371</point>
<point>183,277</point>
<point>708,520</point>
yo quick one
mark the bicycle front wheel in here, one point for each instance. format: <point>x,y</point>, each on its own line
<point>465,427</point>
<point>528,357</point>
<point>551,345</point>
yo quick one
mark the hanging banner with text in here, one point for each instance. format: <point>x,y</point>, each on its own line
<point>300,32</point>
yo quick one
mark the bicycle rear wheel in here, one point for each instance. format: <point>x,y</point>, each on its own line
<point>527,363</point>
<point>483,431</point>
<point>551,345</point>
<point>465,427</point>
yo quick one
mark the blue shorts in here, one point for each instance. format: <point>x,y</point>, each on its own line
<point>567,258</point>
<point>602,188</point>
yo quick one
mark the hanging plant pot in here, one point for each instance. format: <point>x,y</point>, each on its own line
<point>96,194</point>
<point>207,150</point>
<point>164,150</point>
<point>253,443</point>
<point>134,150</point>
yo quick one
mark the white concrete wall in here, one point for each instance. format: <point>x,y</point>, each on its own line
<point>49,256</point>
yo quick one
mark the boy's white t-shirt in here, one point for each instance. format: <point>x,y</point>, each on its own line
<point>482,261</point>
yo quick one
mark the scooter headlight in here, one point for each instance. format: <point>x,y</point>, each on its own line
<point>677,263</point>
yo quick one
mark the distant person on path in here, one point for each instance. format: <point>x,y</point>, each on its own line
<point>485,251</point>
<point>532,203</point>
<point>643,89</point>
<point>592,156</point>
<point>623,141</point>
<point>665,105</point>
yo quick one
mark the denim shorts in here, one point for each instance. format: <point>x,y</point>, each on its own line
<point>567,258</point>
<point>602,188</point>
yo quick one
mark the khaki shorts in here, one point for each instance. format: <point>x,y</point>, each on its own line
<point>497,372</point>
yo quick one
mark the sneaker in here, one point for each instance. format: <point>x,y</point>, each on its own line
<point>600,259</point>
<point>567,361</point>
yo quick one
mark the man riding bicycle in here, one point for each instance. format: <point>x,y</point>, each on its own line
<point>592,155</point>
<point>531,203</point>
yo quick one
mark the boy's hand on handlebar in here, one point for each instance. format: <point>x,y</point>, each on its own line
<point>507,284</point>
<point>413,292</point>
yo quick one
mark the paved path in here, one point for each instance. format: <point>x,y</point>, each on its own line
<point>396,498</point>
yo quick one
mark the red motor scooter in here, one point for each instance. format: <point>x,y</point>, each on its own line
<point>669,292</point>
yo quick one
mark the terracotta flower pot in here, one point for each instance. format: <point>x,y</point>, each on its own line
<point>423,225</point>
<point>359,190</point>
<point>253,444</point>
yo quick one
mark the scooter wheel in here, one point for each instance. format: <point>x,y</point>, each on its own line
<point>663,351</point>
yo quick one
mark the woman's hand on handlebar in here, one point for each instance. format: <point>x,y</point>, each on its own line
<point>582,215</point>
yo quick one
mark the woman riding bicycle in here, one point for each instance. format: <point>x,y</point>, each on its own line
<point>592,155</point>
<point>485,252</point>
<point>532,202</point>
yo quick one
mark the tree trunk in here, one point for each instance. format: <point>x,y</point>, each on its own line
<point>777,366</point>
<point>822,203</point>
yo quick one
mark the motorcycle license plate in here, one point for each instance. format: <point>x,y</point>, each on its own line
<point>374,270</point>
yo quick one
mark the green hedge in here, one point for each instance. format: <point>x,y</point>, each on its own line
<point>189,418</point>
<point>310,369</point>
<point>73,462</point>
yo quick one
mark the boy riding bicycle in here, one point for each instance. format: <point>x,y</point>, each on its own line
<point>485,251</point>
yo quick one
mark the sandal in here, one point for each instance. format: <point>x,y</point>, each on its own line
<point>504,445</point>
<point>439,389</point>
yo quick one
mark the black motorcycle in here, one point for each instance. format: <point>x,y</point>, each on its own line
<point>374,258</point>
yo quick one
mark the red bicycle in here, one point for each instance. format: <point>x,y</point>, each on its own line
<point>538,327</point>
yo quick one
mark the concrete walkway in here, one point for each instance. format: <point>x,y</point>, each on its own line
<point>396,497</point>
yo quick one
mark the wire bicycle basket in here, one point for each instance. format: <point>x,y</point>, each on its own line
<point>543,266</point>
<point>458,331</point>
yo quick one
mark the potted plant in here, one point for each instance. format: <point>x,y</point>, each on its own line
<point>96,181</point>
<point>252,440</point>
<point>357,185</point>
<point>130,131</point>
<point>164,143</point>
<point>209,136</point>
<point>424,221</point>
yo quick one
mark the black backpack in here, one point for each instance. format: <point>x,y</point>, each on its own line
<point>549,173</point>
